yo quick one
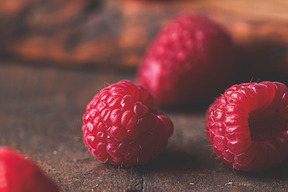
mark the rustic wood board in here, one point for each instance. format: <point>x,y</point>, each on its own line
<point>117,32</point>
<point>40,115</point>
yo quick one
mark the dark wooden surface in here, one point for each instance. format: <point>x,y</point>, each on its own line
<point>40,115</point>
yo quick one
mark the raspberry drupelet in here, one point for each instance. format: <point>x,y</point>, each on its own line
<point>248,125</point>
<point>120,125</point>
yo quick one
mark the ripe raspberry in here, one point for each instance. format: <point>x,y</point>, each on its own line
<point>248,125</point>
<point>189,56</point>
<point>18,174</point>
<point>120,125</point>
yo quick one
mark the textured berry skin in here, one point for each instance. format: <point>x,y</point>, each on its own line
<point>18,174</point>
<point>248,126</point>
<point>120,125</point>
<point>191,60</point>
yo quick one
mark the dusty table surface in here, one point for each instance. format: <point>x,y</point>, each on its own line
<point>40,115</point>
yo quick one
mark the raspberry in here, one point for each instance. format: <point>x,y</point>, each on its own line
<point>248,125</point>
<point>188,56</point>
<point>120,125</point>
<point>18,174</point>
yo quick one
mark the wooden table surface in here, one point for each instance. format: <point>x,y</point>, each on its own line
<point>40,115</point>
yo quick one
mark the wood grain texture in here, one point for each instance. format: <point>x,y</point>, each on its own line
<point>40,115</point>
<point>117,32</point>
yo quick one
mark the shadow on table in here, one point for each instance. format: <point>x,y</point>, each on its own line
<point>171,161</point>
<point>192,108</point>
<point>276,172</point>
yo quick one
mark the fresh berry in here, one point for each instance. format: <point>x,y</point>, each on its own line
<point>190,61</point>
<point>248,125</point>
<point>18,174</point>
<point>120,125</point>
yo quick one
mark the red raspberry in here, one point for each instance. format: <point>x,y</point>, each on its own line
<point>248,125</point>
<point>188,56</point>
<point>18,174</point>
<point>120,125</point>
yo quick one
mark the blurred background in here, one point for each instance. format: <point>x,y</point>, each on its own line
<point>115,33</point>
